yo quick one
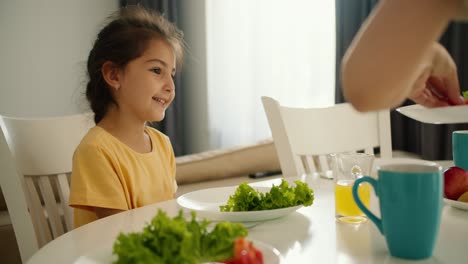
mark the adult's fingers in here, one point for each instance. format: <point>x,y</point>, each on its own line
<point>452,86</point>
<point>444,75</point>
<point>428,99</point>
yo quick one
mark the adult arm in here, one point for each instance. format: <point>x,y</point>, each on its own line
<point>394,49</point>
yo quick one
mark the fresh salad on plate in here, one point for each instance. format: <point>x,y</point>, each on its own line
<point>246,198</point>
<point>245,203</point>
<point>177,240</point>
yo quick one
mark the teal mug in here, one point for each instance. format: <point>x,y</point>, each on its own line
<point>460,148</point>
<point>411,202</point>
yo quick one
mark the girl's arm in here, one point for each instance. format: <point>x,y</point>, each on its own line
<point>393,49</point>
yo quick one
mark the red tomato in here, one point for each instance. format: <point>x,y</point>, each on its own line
<point>259,256</point>
<point>245,253</point>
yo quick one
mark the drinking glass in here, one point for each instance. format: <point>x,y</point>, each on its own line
<point>347,168</point>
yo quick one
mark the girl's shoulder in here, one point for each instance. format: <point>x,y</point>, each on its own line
<point>160,141</point>
<point>99,140</point>
<point>95,135</point>
<point>96,138</point>
<point>156,134</point>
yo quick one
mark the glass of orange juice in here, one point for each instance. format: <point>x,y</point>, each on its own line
<point>347,167</point>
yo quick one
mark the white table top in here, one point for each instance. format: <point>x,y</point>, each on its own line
<point>310,235</point>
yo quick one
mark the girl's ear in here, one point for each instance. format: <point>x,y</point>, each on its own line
<point>110,73</point>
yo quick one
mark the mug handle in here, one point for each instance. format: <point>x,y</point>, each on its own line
<point>374,183</point>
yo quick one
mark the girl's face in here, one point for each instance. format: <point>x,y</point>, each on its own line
<point>146,83</point>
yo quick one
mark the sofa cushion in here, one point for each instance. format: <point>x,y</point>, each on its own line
<point>231,162</point>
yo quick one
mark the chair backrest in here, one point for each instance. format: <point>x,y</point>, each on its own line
<point>42,150</point>
<point>304,136</point>
<point>12,189</point>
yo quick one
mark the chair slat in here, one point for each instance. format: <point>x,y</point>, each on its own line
<point>64,192</point>
<point>323,163</point>
<point>299,163</point>
<point>38,218</point>
<point>326,166</point>
<point>310,164</point>
<point>51,206</point>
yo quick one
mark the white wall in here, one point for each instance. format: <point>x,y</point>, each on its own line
<point>43,52</point>
<point>44,46</point>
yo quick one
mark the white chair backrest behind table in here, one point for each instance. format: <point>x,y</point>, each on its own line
<point>305,136</point>
<point>42,150</point>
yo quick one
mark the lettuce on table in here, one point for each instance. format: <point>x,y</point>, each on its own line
<point>246,198</point>
<point>176,240</point>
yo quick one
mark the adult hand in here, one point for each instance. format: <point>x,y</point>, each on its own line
<point>437,84</point>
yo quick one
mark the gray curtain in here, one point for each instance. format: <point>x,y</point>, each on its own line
<point>432,142</point>
<point>172,125</point>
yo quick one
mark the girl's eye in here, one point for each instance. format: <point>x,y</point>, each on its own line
<point>156,70</point>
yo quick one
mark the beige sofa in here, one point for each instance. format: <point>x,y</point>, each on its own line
<point>197,171</point>
<point>225,167</point>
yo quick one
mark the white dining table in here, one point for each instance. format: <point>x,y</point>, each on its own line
<point>309,235</point>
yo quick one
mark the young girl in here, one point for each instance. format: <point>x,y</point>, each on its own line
<point>121,163</point>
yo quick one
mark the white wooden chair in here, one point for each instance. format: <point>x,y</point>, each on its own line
<point>36,161</point>
<point>305,136</point>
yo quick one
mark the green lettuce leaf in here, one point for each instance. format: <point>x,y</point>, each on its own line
<point>246,198</point>
<point>176,240</point>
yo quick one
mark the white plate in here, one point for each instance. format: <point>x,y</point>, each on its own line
<point>104,255</point>
<point>438,115</point>
<point>456,204</point>
<point>206,203</point>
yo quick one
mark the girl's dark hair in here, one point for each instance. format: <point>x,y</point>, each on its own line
<point>124,39</point>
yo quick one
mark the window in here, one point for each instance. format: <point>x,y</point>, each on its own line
<point>282,49</point>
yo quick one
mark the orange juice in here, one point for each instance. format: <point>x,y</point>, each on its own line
<point>344,201</point>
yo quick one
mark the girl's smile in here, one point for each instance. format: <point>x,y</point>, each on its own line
<point>146,84</point>
<point>160,101</point>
